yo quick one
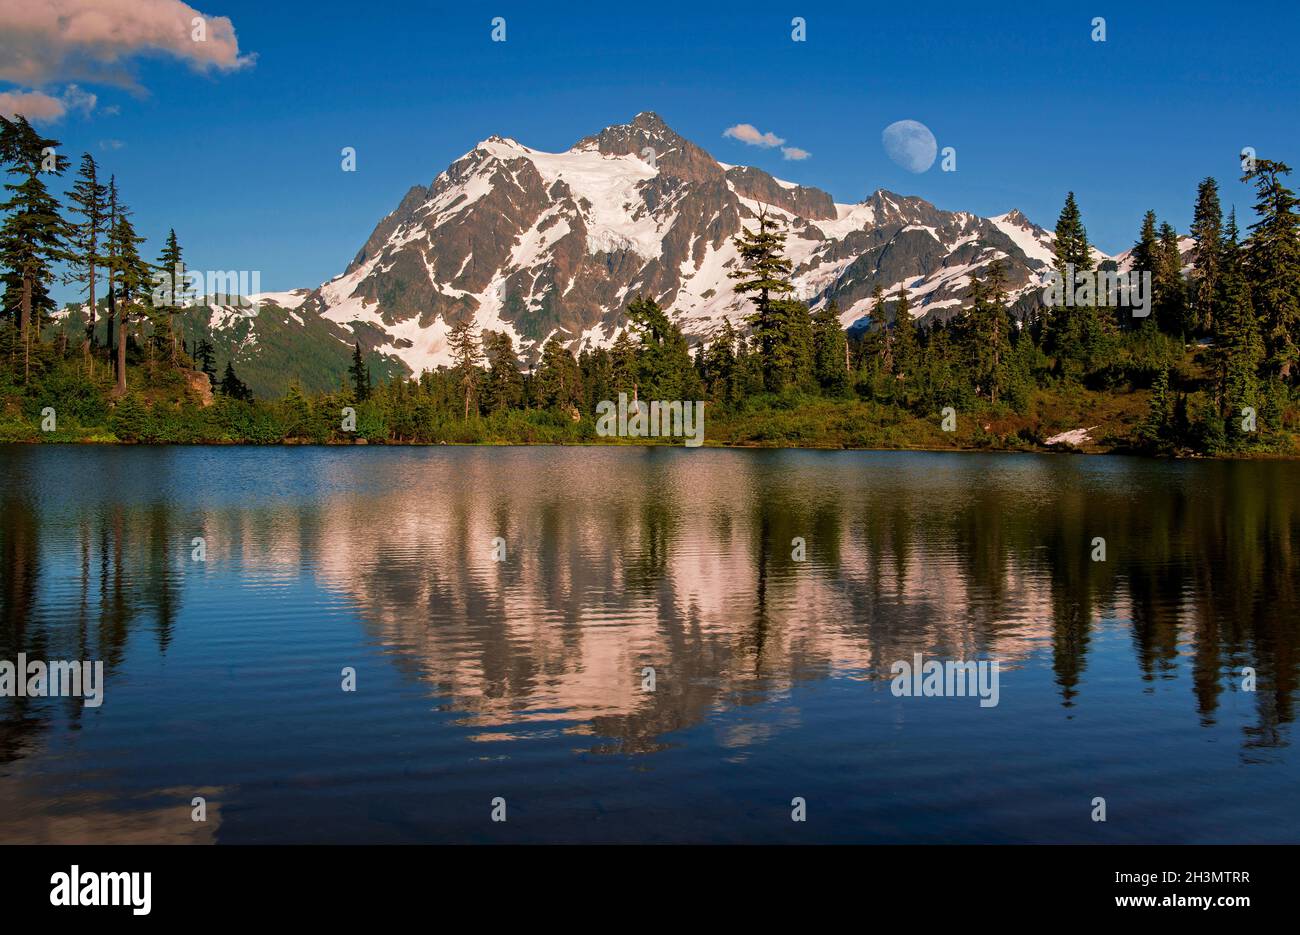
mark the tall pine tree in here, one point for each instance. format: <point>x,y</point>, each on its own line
<point>172,266</point>
<point>1170,293</point>
<point>764,272</point>
<point>1207,241</point>
<point>1146,251</point>
<point>1072,331</point>
<point>114,211</point>
<point>1238,347</point>
<point>905,345</point>
<point>505,385</point>
<point>132,278</point>
<point>234,387</point>
<point>664,366</point>
<point>830,349</point>
<point>721,365</point>
<point>559,382</point>
<point>34,234</point>
<point>360,374</point>
<point>988,334</point>
<point>205,356</point>
<point>1273,265</point>
<point>89,198</point>
<point>884,348</point>
<point>466,357</point>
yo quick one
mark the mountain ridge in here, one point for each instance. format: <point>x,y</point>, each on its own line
<point>542,244</point>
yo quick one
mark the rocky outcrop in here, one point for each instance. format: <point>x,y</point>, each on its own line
<point>199,386</point>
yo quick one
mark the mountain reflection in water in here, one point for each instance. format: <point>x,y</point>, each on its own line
<point>524,677</point>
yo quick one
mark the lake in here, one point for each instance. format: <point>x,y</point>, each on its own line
<point>647,644</point>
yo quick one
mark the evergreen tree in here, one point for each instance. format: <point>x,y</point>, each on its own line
<point>234,387</point>
<point>296,409</point>
<point>89,199</point>
<point>1156,429</point>
<point>1071,245</point>
<point>1073,333</point>
<point>880,329</point>
<point>115,210</point>
<point>1238,347</point>
<point>988,334</point>
<point>905,346</point>
<point>466,359</point>
<point>1207,237</point>
<point>1170,294</point>
<point>793,358</point>
<point>130,419</point>
<point>830,349</point>
<point>505,384</point>
<point>131,275</point>
<point>33,236</point>
<point>749,369</point>
<point>700,357</point>
<point>1145,256</point>
<point>939,378</point>
<point>764,271</point>
<point>206,357</point>
<point>173,267</point>
<point>597,377</point>
<point>360,375</point>
<point>1273,264</point>
<point>664,363</point>
<point>559,383</point>
<point>1147,248</point>
<point>626,365</point>
<point>720,364</point>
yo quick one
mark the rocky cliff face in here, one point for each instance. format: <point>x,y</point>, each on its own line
<point>541,244</point>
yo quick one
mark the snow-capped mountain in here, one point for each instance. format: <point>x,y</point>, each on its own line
<point>541,244</point>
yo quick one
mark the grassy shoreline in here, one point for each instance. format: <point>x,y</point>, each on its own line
<point>664,443</point>
<point>169,406</point>
<point>63,439</point>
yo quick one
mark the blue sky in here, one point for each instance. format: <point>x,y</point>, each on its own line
<point>245,163</point>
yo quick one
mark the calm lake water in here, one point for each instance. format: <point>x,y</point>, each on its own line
<point>524,679</point>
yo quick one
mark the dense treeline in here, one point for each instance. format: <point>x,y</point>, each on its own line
<point>1212,369</point>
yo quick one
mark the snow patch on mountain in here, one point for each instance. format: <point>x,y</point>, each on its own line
<point>286,300</point>
<point>1033,241</point>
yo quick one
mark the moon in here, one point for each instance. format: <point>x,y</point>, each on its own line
<point>910,144</point>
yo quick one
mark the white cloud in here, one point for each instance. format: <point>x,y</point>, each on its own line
<point>45,41</point>
<point>748,133</point>
<point>37,105</point>
<point>77,99</point>
<point>34,105</point>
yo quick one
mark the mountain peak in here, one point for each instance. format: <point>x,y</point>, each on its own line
<point>645,128</point>
<point>889,204</point>
<point>496,144</point>
<point>649,138</point>
<point>650,121</point>
<point>537,243</point>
